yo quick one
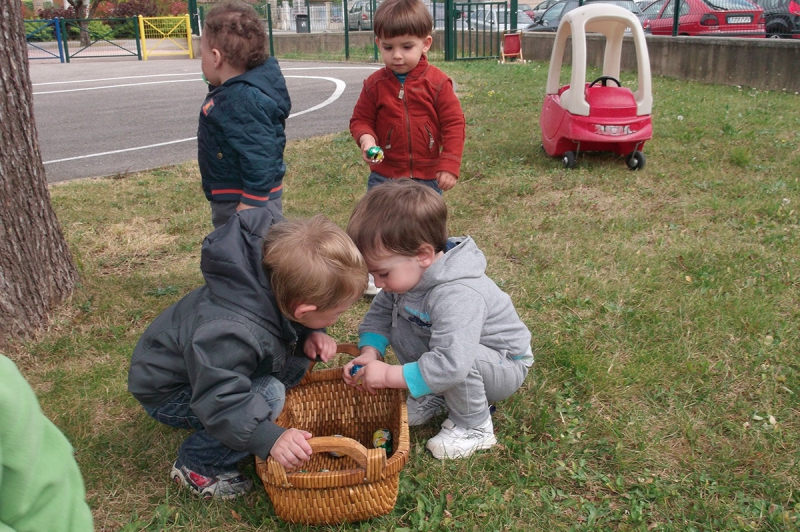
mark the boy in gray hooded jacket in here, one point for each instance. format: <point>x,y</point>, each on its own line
<point>459,340</point>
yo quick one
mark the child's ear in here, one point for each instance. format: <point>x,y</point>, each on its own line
<point>301,310</point>
<point>217,57</point>
<point>426,44</point>
<point>425,255</point>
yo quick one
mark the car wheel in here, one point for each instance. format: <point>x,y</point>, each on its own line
<point>569,160</point>
<point>636,160</point>
<point>777,31</point>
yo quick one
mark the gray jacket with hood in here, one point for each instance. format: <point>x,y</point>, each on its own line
<point>220,336</point>
<point>434,327</point>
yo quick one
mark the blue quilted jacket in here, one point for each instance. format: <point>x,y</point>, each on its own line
<point>241,136</point>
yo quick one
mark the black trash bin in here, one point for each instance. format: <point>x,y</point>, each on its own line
<point>302,23</point>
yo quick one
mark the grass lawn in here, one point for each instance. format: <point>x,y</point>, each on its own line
<point>664,306</point>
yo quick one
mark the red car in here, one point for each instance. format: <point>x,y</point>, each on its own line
<point>706,18</point>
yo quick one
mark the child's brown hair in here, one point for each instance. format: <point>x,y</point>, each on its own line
<point>312,262</point>
<point>399,216</point>
<point>237,32</point>
<point>395,18</point>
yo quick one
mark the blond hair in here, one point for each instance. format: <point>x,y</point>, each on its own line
<point>398,216</point>
<point>312,262</point>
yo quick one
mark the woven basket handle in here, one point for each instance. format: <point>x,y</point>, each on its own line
<point>372,460</point>
<point>348,349</point>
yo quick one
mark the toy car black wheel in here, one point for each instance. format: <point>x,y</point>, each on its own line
<point>636,160</point>
<point>569,160</point>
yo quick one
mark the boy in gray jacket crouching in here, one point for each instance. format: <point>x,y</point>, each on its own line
<point>459,340</point>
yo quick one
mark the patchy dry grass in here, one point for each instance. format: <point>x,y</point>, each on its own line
<point>663,306</point>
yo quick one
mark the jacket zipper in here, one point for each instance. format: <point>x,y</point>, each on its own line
<point>430,137</point>
<point>401,95</point>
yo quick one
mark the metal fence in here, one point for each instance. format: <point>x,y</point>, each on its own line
<point>67,39</point>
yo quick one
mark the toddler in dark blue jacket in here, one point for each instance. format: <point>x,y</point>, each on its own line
<point>241,135</point>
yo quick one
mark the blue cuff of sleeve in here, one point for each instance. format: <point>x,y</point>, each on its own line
<point>416,384</point>
<point>375,340</point>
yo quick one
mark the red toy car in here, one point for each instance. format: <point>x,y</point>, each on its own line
<point>601,115</point>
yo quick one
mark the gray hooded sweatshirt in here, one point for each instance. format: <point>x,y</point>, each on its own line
<point>435,327</point>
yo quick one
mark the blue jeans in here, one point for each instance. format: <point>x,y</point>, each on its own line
<point>376,179</point>
<point>201,452</point>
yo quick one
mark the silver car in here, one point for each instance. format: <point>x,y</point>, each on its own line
<point>359,16</point>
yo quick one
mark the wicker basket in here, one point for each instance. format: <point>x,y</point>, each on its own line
<point>360,484</point>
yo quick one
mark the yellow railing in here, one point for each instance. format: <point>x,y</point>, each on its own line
<point>165,36</point>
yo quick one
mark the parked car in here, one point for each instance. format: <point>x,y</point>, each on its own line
<point>359,16</point>
<point>497,19</point>
<point>781,18</point>
<point>541,7</point>
<point>706,18</point>
<point>552,17</point>
<point>526,8</point>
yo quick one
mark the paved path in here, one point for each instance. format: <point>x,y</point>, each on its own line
<point>103,118</point>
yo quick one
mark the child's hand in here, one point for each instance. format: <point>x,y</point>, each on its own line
<point>291,448</point>
<point>368,354</point>
<point>366,142</point>
<point>372,376</point>
<point>245,206</point>
<point>446,180</point>
<point>320,345</point>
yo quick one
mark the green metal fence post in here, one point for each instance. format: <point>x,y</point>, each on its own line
<point>346,20</point>
<point>513,15</point>
<point>374,4</point>
<point>63,23</point>
<point>449,29</point>
<point>135,22</point>
<point>193,17</point>
<point>269,24</point>
<point>676,18</point>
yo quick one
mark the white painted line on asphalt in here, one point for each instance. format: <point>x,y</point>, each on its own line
<point>340,87</point>
<point>119,86</point>
<point>197,76</point>
<point>119,151</point>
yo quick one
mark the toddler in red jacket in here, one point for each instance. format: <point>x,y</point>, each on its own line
<point>409,109</point>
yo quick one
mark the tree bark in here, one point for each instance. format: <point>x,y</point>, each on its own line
<point>36,269</point>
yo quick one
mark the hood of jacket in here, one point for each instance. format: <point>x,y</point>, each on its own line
<point>462,260</point>
<point>231,264</point>
<point>267,78</point>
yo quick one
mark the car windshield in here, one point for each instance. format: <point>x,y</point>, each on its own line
<point>630,5</point>
<point>730,5</point>
<point>553,14</point>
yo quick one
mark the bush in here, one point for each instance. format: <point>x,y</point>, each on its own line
<point>53,12</point>
<point>134,8</point>
<point>44,33</point>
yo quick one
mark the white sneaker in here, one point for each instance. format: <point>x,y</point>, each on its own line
<point>457,442</point>
<point>422,410</point>
<point>371,290</point>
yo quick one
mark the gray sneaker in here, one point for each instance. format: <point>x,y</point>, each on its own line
<point>224,486</point>
<point>422,410</point>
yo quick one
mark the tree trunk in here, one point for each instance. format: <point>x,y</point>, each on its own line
<point>36,269</point>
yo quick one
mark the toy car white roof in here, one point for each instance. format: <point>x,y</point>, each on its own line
<point>611,21</point>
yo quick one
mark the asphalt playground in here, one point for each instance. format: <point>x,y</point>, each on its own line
<point>99,118</point>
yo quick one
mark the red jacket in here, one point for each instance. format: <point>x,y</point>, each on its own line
<point>419,124</point>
